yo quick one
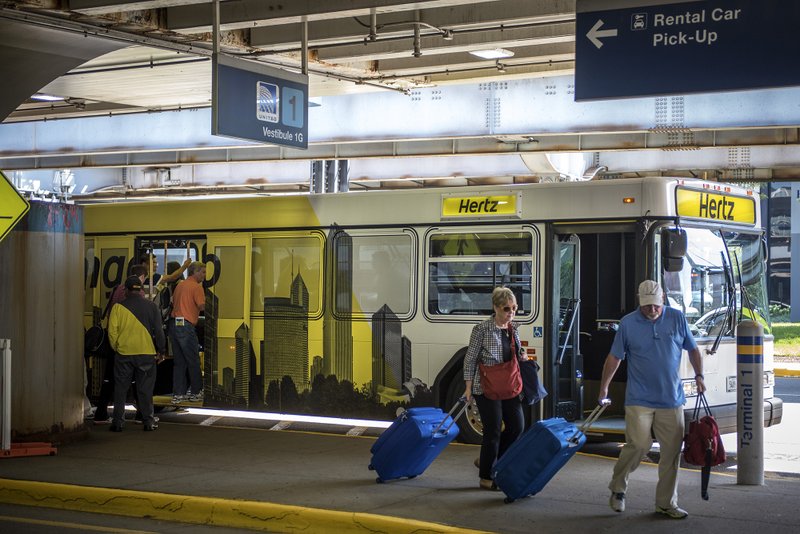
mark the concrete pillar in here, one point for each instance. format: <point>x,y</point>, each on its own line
<point>41,312</point>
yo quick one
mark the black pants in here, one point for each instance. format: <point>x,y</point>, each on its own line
<point>143,368</point>
<point>494,414</point>
<point>106,396</point>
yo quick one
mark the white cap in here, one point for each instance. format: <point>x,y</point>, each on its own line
<point>650,293</point>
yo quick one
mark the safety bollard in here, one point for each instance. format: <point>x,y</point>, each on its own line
<point>5,394</point>
<point>750,403</point>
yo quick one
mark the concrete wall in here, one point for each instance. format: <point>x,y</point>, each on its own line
<point>41,306</point>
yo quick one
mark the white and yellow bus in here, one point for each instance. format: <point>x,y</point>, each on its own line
<point>358,303</point>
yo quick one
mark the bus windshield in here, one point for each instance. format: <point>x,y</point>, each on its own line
<point>700,289</point>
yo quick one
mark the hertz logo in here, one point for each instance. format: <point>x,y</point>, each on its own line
<point>480,206</point>
<point>715,206</point>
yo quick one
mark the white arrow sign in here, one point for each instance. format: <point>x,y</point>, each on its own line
<point>596,32</point>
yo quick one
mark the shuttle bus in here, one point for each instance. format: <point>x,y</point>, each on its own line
<point>357,304</point>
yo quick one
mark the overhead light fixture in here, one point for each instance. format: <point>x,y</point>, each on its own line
<point>494,53</point>
<point>46,98</point>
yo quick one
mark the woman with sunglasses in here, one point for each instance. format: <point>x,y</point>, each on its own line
<point>492,342</point>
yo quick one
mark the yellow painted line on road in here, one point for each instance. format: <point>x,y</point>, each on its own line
<point>787,372</point>
<point>251,515</point>
<point>77,526</point>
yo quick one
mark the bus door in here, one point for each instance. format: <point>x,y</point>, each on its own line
<point>566,367</point>
<point>114,255</point>
<point>227,343</point>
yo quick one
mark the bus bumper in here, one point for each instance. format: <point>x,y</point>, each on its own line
<point>725,415</point>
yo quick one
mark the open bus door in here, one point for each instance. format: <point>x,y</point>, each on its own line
<point>566,368</point>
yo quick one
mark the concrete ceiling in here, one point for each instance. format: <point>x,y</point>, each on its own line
<point>108,59</point>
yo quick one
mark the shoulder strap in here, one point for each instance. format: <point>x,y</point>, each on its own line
<point>110,301</point>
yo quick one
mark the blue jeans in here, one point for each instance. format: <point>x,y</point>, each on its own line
<point>186,358</point>
<point>493,414</point>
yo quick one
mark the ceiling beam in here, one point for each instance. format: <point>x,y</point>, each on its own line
<point>254,13</point>
<point>510,39</point>
<point>107,7</point>
<point>505,13</point>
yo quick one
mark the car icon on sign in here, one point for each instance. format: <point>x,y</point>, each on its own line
<point>639,21</point>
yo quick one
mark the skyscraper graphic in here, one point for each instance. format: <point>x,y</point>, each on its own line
<point>387,350</point>
<point>317,368</point>
<point>337,334</point>
<point>242,377</point>
<point>286,337</point>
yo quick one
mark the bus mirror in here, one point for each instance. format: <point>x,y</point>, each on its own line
<point>673,248</point>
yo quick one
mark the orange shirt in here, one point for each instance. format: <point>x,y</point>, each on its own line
<point>187,299</point>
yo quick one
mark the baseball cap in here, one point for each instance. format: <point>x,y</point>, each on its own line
<point>133,283</point>
<point>650,293</point>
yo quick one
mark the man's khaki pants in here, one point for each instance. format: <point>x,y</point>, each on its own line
<point>668,427</point>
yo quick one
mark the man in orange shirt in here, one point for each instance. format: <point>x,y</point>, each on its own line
<point>188,301</point>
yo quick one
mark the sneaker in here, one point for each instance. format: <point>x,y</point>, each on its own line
<point>139,421</point>
<point>674,512</point>
<point>617,502</point>
<point>149,428</point>
<point>177,399</point>
<point>488,484</point>
<point>115,428</point>
<point>196,397</point>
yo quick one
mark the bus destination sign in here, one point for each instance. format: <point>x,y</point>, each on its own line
<point>480,206</point>
<point>709,205</point>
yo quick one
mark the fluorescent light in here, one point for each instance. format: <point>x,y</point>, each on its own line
<point>46,98</point>
<point>494,53</point>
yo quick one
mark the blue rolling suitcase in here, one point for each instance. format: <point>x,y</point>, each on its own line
<point>412,442</point>
<point>529,464</point>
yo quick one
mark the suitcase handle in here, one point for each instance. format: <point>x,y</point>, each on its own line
<point>593,417</point>
<point>450,414</point>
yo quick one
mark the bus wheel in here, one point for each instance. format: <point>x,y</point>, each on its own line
<point>470,427</point>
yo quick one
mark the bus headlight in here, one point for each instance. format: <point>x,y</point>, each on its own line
<point>769,379</point>
<point>689,388</point>
<point>730,384</point>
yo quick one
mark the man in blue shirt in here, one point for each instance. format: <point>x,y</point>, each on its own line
<point>652,339</point>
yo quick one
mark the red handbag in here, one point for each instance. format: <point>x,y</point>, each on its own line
<point>702,444</point>
<point>502,381</point>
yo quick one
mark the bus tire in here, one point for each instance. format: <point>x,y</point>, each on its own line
<point>470,428</point>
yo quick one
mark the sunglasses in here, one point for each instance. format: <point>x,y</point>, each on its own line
<point>509,309</point>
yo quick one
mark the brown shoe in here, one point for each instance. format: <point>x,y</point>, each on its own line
<point>488,484</point>
<point>477,462</point>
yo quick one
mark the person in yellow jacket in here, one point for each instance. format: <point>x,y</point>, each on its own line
<point>136,335</point>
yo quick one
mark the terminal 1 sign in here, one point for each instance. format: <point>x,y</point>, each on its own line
<point>628,48</point>
<point>259,103</point>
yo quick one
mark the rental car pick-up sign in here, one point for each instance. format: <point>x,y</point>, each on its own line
<point>648,48</point>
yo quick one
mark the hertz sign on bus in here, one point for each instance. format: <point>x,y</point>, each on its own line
<point>480,206</point>
<point>700,204</point>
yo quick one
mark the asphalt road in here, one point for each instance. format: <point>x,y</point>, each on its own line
<point>788,389</point>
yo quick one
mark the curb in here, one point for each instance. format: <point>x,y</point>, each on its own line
<point>251,515</point>
<point>787,372</point>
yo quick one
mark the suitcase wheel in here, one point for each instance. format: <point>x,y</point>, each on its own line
<point>508,500</point>
<point>412,476</point>
<point>379,480</point>
<point>370,467</point>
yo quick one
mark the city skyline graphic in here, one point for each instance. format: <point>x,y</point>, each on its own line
<point>284,350</point>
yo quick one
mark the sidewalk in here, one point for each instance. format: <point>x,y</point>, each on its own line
<point>280,481</point>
